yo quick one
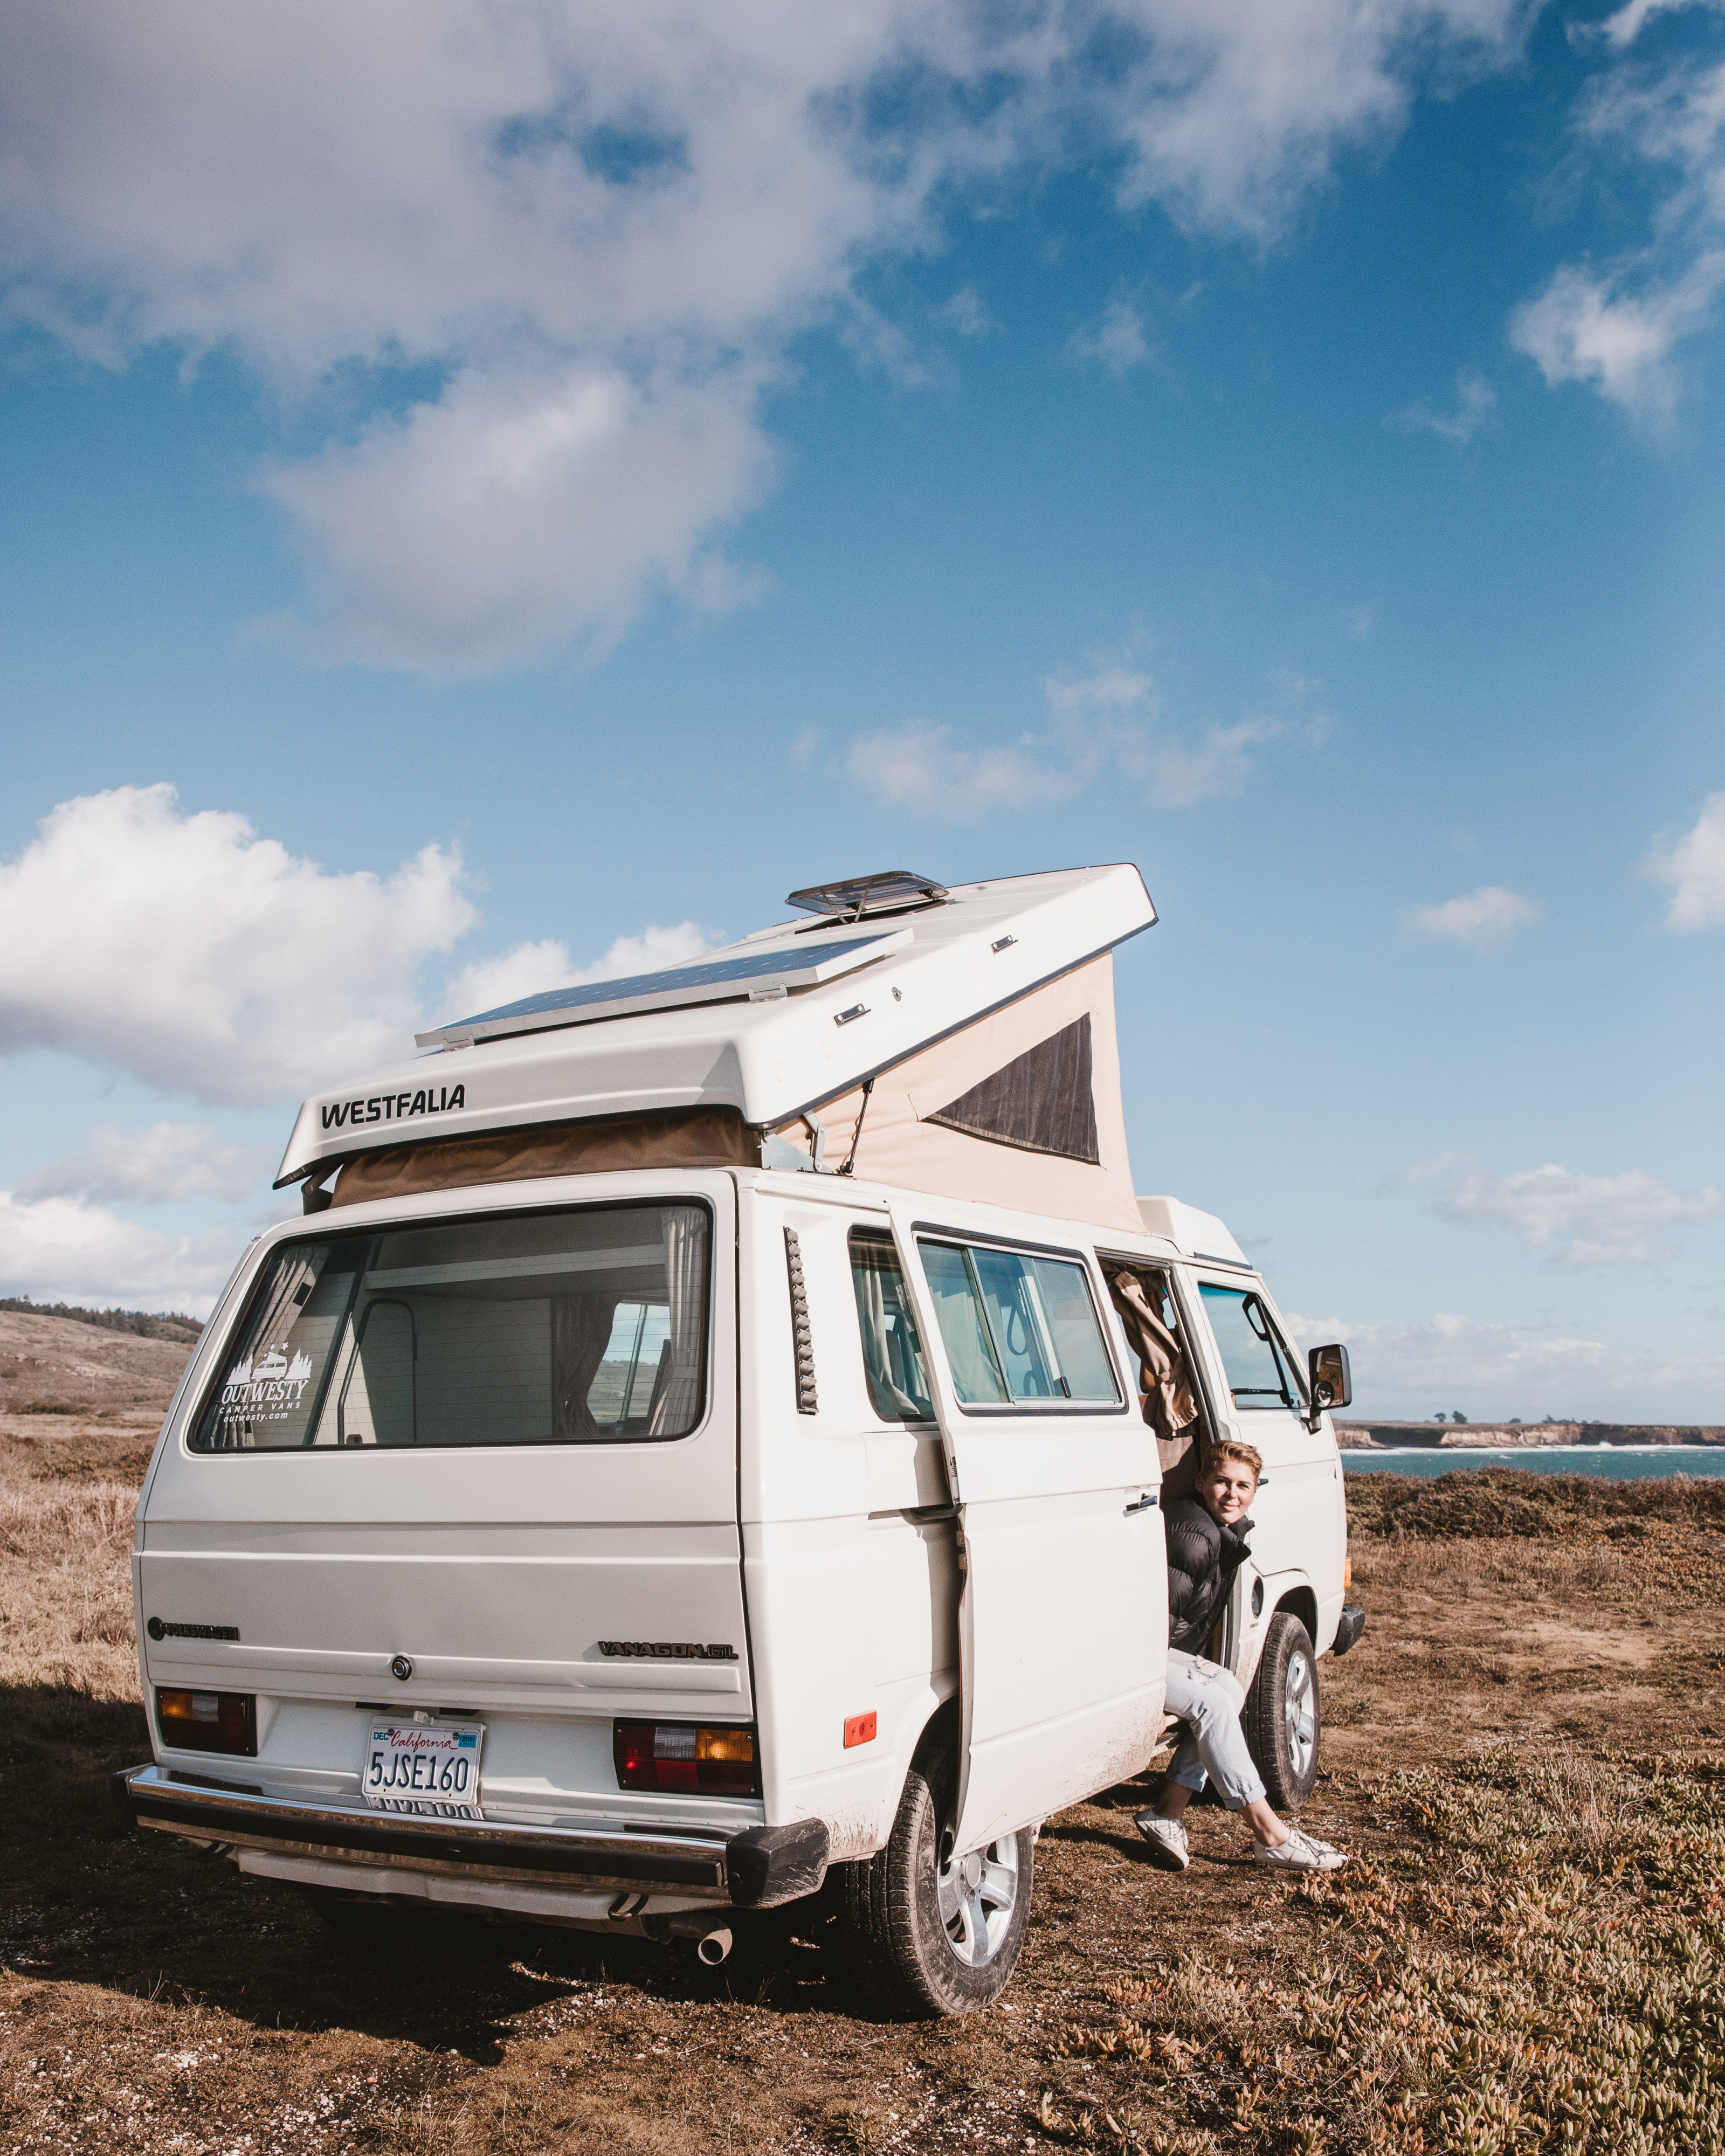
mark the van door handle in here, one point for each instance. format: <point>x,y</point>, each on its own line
<point>1147,1503</point>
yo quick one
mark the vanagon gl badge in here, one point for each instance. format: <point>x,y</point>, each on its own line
<point>667,1650</point>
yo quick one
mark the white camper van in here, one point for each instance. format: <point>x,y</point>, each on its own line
<point>705,1435</point>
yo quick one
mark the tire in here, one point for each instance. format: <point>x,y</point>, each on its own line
<point>921,1938</point>
<point>1283,1716</point>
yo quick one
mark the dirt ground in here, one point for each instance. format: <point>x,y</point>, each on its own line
<point>1524,1754</point>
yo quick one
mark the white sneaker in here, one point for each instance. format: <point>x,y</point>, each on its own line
<point>1302,1852</point>
<point>1166,1839</point>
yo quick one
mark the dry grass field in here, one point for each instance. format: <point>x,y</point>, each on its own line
<point>1525,1753</point>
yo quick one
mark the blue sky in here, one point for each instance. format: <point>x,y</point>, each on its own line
<point>538,483</point>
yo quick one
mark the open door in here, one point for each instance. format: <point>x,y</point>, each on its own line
<point>1063,1616</point>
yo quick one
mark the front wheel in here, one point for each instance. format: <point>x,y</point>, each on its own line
<point>1283,1717</point>
<point>927,1934</point>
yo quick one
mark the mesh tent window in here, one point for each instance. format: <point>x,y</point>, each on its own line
<point>1042,1101</point>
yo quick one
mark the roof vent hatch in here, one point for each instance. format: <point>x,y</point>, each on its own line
<point>857,898</point>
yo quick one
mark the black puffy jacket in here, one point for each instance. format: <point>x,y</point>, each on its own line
<point>1203,1557</point>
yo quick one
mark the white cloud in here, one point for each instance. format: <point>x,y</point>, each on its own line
<point>1625,26</point>
<point>204,959</point>
<point>1219,766</point>
<point>1116,343</point>
<point>1617,328</point>
<point>918,767</point>
<point>576,497</point>
<point>62,1249</point>
<point>1495,1370</point>
<point>530,968</point>
<point>966,314</point>
<point>166,1161</point>
<point>1232,108</point>
<point>1693,864</point>
<point>600,227</point>
<point>1476,401</point>
<point>1590,329</point>
<point>1108,722</point>
<point>1479,920</point>
<point>1632,1219</point>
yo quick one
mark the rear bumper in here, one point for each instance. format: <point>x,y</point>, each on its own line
<point>1351,1624</point>
<point>757,1868</point>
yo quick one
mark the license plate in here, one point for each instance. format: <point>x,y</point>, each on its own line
<point>430,1768</point>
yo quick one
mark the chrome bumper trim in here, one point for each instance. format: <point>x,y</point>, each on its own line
<point>244,1817</point>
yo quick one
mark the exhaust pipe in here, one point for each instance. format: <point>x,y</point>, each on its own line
<point>712,1941</point>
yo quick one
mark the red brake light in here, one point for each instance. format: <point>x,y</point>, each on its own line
<point>714,1760</point>
<point>208,1722</point>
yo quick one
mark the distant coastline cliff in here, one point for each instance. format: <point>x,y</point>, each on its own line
<point>1473,1436</point>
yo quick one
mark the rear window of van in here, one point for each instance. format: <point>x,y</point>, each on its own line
<point>581,1326</point>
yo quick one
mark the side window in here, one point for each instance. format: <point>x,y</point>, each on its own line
<point>1260,1369</point>
<point>1017,1327</point>
<point>892,1352</point>
<point>964,1331</point>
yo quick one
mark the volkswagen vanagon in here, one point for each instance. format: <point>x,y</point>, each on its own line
<point>701,1442</point>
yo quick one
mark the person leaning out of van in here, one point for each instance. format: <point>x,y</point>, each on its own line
<point>1206,1547</point>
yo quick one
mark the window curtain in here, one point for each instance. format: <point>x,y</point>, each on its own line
<point>678,1399</point>
<point>867,1271</point>
<point>1165,1393</point>
<point>580,1332</point>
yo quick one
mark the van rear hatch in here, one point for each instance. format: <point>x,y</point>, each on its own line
<point>477,1467</point>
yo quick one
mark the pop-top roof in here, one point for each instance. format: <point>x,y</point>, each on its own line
<point>770,1026</point>
<point>1197,1234</point>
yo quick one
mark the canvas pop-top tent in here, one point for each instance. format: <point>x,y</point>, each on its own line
<point>957,1041</point>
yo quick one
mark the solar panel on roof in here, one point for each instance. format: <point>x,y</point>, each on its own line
<point>712,983</point>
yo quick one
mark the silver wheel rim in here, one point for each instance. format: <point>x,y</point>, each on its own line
<point>1299,1712</point>
<point>977,1895</point>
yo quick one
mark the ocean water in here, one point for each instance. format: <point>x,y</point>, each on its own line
<point>1623,1463</point>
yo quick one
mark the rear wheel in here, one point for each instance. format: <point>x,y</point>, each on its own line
<point>1283,1716</point>
<point>925,1934</point>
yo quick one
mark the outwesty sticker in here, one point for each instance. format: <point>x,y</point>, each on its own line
<point>394,1107</point>
<point>266,1388</point>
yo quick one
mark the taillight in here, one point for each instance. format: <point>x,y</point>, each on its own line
<point>716,1760</point>
<point>1347,1575</point>
<point>208,1722</point>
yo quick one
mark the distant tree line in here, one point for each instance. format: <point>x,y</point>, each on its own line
<point>148,1325</point>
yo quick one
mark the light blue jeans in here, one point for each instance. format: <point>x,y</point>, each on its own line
<point>1208,1700</point>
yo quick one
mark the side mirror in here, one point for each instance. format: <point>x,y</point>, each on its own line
<point>1332,1381</point>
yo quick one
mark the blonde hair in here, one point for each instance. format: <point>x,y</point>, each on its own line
<point>1232,1448</point>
